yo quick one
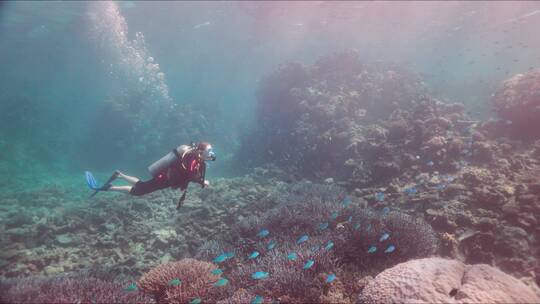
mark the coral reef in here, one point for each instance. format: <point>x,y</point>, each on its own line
<point>80,287</point>
<point>357,123</point>
<point>517,103</point>
<point>435,280</point>
<point>181,282</point>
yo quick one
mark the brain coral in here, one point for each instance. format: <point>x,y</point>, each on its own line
<point>437,280</point>
<point>195,282</point>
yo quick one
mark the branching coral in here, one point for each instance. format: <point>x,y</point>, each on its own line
<point>78,288</point>
<point>183,281</point>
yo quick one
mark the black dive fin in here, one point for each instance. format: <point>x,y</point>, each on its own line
<point>107,184</point>
<point>181,200</point>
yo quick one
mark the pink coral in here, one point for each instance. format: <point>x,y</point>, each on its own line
<point>195,281</point>
<point>437,280</point>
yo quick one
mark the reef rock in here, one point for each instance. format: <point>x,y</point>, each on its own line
<point>518,103</point>
<point>438,280</point>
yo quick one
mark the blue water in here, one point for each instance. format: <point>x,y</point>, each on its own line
<point>101,86</point>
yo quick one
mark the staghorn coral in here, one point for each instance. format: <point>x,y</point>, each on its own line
<point>195,277</point>
<point>287,278</point>
<point>69,288</point>
<point>436,280</point>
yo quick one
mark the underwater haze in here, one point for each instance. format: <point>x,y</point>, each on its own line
<point>268,152</point>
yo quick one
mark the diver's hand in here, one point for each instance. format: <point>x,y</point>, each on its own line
<point>206,183</point>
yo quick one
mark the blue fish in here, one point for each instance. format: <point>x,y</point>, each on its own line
<point>271,245</point>
<point>372,249</point>
<point>440,187</point>
<point>195,301</point>
<point>390,249</point>
<point>385,210</point>
<point>216,271</point>
<point>263,233</point>
<point>356,226</point>
<point>334,215</point>
<point>330,278</point>
<point>329,245</point>
<point>259,275</point>
<point>349,219</point>
<point>308,264</point>
<point>449,178</point>
<point>253,255</point>
<point>323,226</point>
<point>175,282</point>
<point>430,163</point>
<point>223,257</point>
<point>131,287</point>
<point>292,256</point>
<point>221,282</point>
<point>257,300</point>
<point>379,196</point>
<point>346,201</point>
<point>411,191</point>
<point>385,236</point>
<point>302,239</point>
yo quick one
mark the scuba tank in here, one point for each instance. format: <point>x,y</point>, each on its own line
<point>166,161</point>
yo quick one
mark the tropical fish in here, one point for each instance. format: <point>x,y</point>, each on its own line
<point>449,178</point>
<point>385,210</point>
<point>372,249</point>
<point>315,248</point>
<point>259,275</point>
<point>368,228</point>
<point>356,226</point>
<point>271,245</point>
<point>329,245</point>
<point>131,287</point>
<point>330,278</point>
<point>223,257</point>
<point>257,300</point>
<point>253,255</point>
<point>216,271</point>
<point>349,219</point>
<point>221,282</point>
<point>440,187</point>
<point>385,236</point>
<point>390,249</point>
<point>195,301</point>
<point>430,163</point>
<point>263,233</point>
<point>379,196</point>
<point>302,239</point>
<point>292,256</point>
<point>175,282</point>
<point>411,191</point>
<point>323,226</point>
<point>334,215</point>
<point>346,201</point>
<point>308,264</point>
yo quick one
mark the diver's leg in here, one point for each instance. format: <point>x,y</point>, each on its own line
<point>123,189</point>
<point>130,179</point>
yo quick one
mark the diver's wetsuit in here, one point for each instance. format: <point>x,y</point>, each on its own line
<point>187,168</point>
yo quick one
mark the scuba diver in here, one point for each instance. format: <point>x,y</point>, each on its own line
<point>184,164</point>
